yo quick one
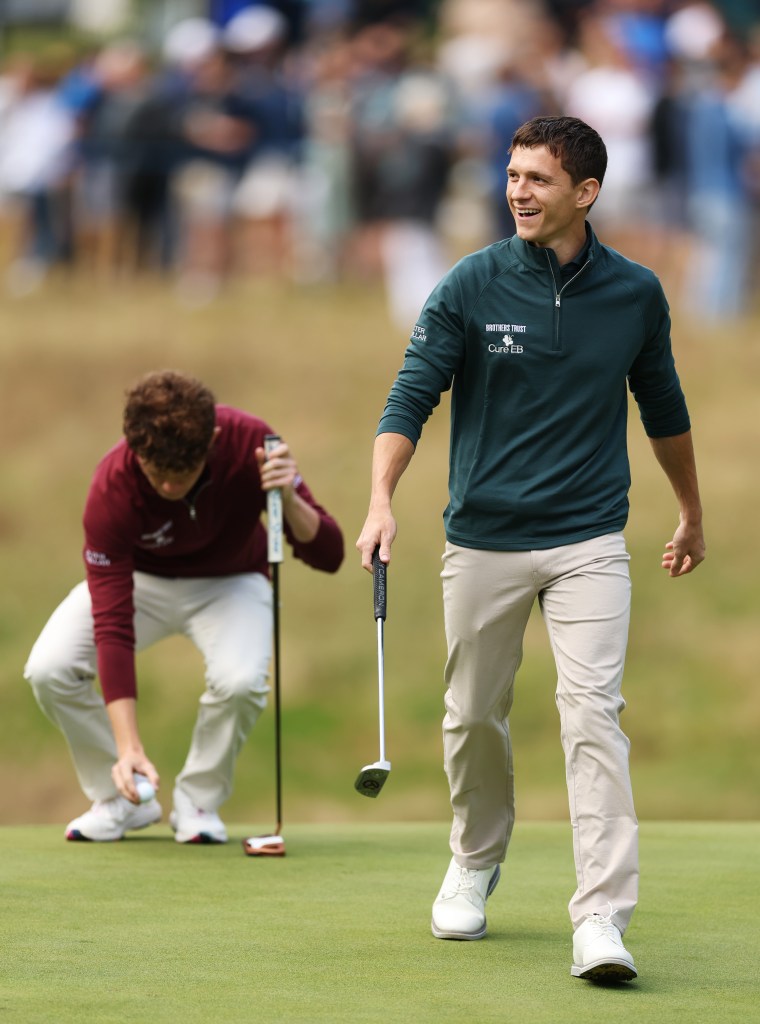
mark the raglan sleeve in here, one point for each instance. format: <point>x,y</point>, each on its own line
<point>652,377</point>
<point>109,565</point>
<point>432,358</point>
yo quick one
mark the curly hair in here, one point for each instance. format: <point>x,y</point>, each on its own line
<point>580,148</point>
<point>169,420</point>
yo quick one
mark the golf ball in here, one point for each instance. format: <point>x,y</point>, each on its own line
<point>144,789</point>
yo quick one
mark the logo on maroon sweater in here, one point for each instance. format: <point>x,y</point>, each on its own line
<point>160,538</point>
<point>96,558</point>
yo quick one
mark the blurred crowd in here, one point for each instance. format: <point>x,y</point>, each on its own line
<point>370,140</point>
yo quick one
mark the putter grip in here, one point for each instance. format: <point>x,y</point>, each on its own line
<point>379,586</point>
<point>274,511</point>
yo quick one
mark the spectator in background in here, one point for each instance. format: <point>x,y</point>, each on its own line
<point>480,44</point>
<point>291,186</point>
<point>692,29</point>
<point>216,128</point>
<point>153,150</point>
<point>553,60</point>
<point>714,118</point>
<point>512,100</point>
<point>744,107</point>
<point>104,210</point>
<point>403,146</point>
<point>36,154</point>
<point>380,57</point>
<point>325,212</point>
<point>718,199</point>
<point>671,223</point>
<point>638,27</point>
<point>264,201</point>
<point>411,176</point>
<point>616,99</point>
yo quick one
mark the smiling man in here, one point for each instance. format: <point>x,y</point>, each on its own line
<point>538,336</point>
<point>174,544</point>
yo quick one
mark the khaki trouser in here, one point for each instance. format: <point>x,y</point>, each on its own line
<point>583,591</point>
<point>228,618</point>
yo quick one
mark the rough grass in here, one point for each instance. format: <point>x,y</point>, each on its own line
<point>317,363</point>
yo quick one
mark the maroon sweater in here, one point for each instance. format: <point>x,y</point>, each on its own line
<point>215,531</point>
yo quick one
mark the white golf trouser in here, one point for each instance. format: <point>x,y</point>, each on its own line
<point>584,594</point>
<point>228,618</point>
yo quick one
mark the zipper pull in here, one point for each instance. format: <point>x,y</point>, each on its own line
<point>191,509</point>
<point>556,301</point>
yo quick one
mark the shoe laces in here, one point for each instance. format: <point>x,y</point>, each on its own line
<point>603,923</point>
<point>461,885</point>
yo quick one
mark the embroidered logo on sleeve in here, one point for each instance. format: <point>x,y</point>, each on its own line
<point>418,333</point>
<point>96,557</point>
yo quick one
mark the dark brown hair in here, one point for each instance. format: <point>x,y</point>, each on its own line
<point>580,149</point>
<point>169,420</point>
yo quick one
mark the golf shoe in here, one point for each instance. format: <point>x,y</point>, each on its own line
<point>459,911</point>
<point>599,953</point>
<point>193,825</point>
<point>108,820</point>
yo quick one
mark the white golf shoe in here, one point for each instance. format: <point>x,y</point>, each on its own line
<point>193,825</point>
<point>459,911</point>
<point>599,953</point>
<point>108,820</point>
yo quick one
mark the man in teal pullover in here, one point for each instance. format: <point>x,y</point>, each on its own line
<point>539,336</point>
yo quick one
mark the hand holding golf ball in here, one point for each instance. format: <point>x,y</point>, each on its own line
<point>144,788</point>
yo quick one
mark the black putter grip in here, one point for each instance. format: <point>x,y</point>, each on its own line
<point>379,587</point>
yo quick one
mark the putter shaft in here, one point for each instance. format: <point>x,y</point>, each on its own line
<point>381,687</point>
<point>371,778</point>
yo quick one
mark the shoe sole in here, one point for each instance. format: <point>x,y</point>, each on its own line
<point>75,836</point>
<point>608,972</point>
<point>200,839</point>
<point>458,936</point>
<point>469,936</point>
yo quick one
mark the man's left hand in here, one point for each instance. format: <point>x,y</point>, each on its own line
<point>683,554</point>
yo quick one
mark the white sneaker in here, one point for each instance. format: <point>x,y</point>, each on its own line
<point>599,953</point>
<point>108,820</point>
<point>192,825</point>
<point>459,911</point>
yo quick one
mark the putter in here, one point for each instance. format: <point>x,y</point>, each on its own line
<point>371,778</point>
<point>273,845</point>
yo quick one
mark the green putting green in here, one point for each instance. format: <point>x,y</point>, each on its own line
<point>338,930</point>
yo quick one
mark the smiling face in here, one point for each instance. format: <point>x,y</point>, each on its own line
<point>548,207</point>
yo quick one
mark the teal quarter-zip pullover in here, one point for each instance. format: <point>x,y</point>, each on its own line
<point>538,366</point>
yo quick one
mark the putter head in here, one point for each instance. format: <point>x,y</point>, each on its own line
<point>371,778</point>
<point>264,846</point>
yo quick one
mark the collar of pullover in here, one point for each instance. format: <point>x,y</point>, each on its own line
<point>534,257</point>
